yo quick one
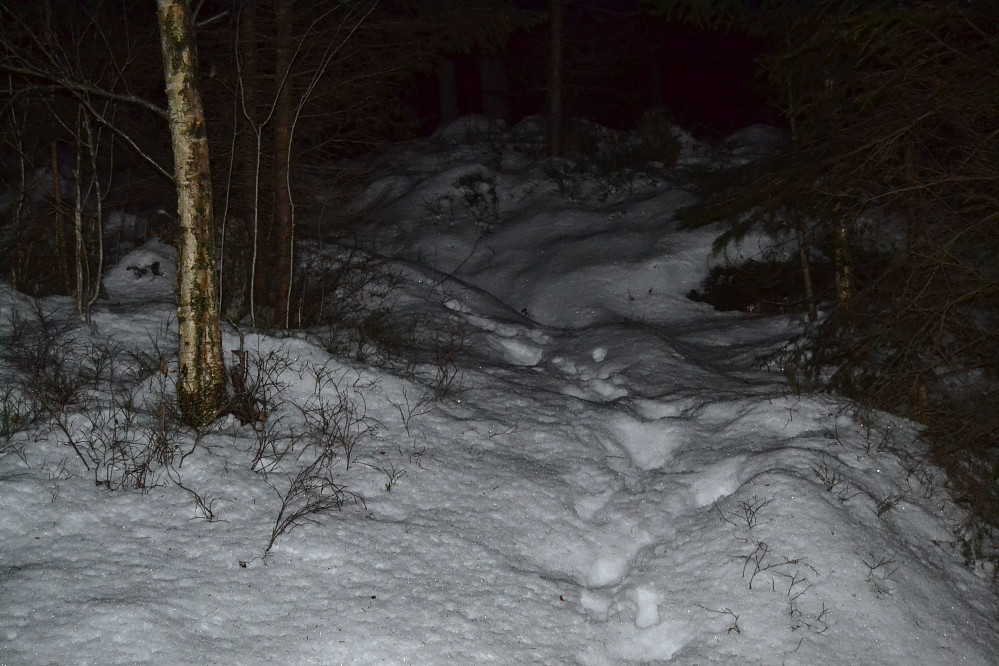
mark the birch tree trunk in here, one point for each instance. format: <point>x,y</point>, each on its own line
<point>201,385</point>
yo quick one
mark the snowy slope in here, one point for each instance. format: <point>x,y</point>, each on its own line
<point>609,479</point>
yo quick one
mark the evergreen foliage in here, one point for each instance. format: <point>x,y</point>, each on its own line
<point>893,109</point>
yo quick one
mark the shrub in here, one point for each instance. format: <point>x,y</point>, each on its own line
<point>892,114</point>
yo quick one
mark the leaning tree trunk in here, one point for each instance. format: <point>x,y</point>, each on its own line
<point>201,389</point>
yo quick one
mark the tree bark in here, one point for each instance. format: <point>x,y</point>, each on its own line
<point>843,264</point>
<point>447,91</point>
<point>62,252</point>
<point>238,288</point>
<point>201,385</point>
<point>495,89</point>
<point>284,118</point>
<point>806,271</point>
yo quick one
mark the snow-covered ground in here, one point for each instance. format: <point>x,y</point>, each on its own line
<point>603,475</point>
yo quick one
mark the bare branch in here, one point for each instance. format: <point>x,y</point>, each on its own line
<point>81,87</point>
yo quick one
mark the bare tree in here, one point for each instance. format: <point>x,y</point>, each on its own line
<point>71,96</point>
<point>302,60</point>
<point>201,386</point>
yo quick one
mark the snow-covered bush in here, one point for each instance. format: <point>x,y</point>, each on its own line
<point>16,415</point>
<point>56,366</point>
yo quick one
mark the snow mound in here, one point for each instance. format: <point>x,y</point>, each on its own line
<point>470,129</point>
<point>144,274</point>
<point>583,467</point>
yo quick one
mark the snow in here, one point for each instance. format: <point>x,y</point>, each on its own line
<point>610,477</point>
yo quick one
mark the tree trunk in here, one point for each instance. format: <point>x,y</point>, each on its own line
<point>804,249</point>
<point>448,91</point>
<point>95,265</point>
<point>80,245</point>
<point>241,237</point>
<point>201,389</point>
<point>843,264</point>
<point>806,271</point>
<point>62,252</point>
<point>556,112</point>
<point>495,89</point>
<point>283,221</point>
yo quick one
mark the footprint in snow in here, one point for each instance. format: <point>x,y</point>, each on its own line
<point>649,444</point>
<point>591,382</point>
<point>717,481</point>
<point>611,561</point>
<point>517,344</point>
<point>518,351</point>
<point>652,634</point>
